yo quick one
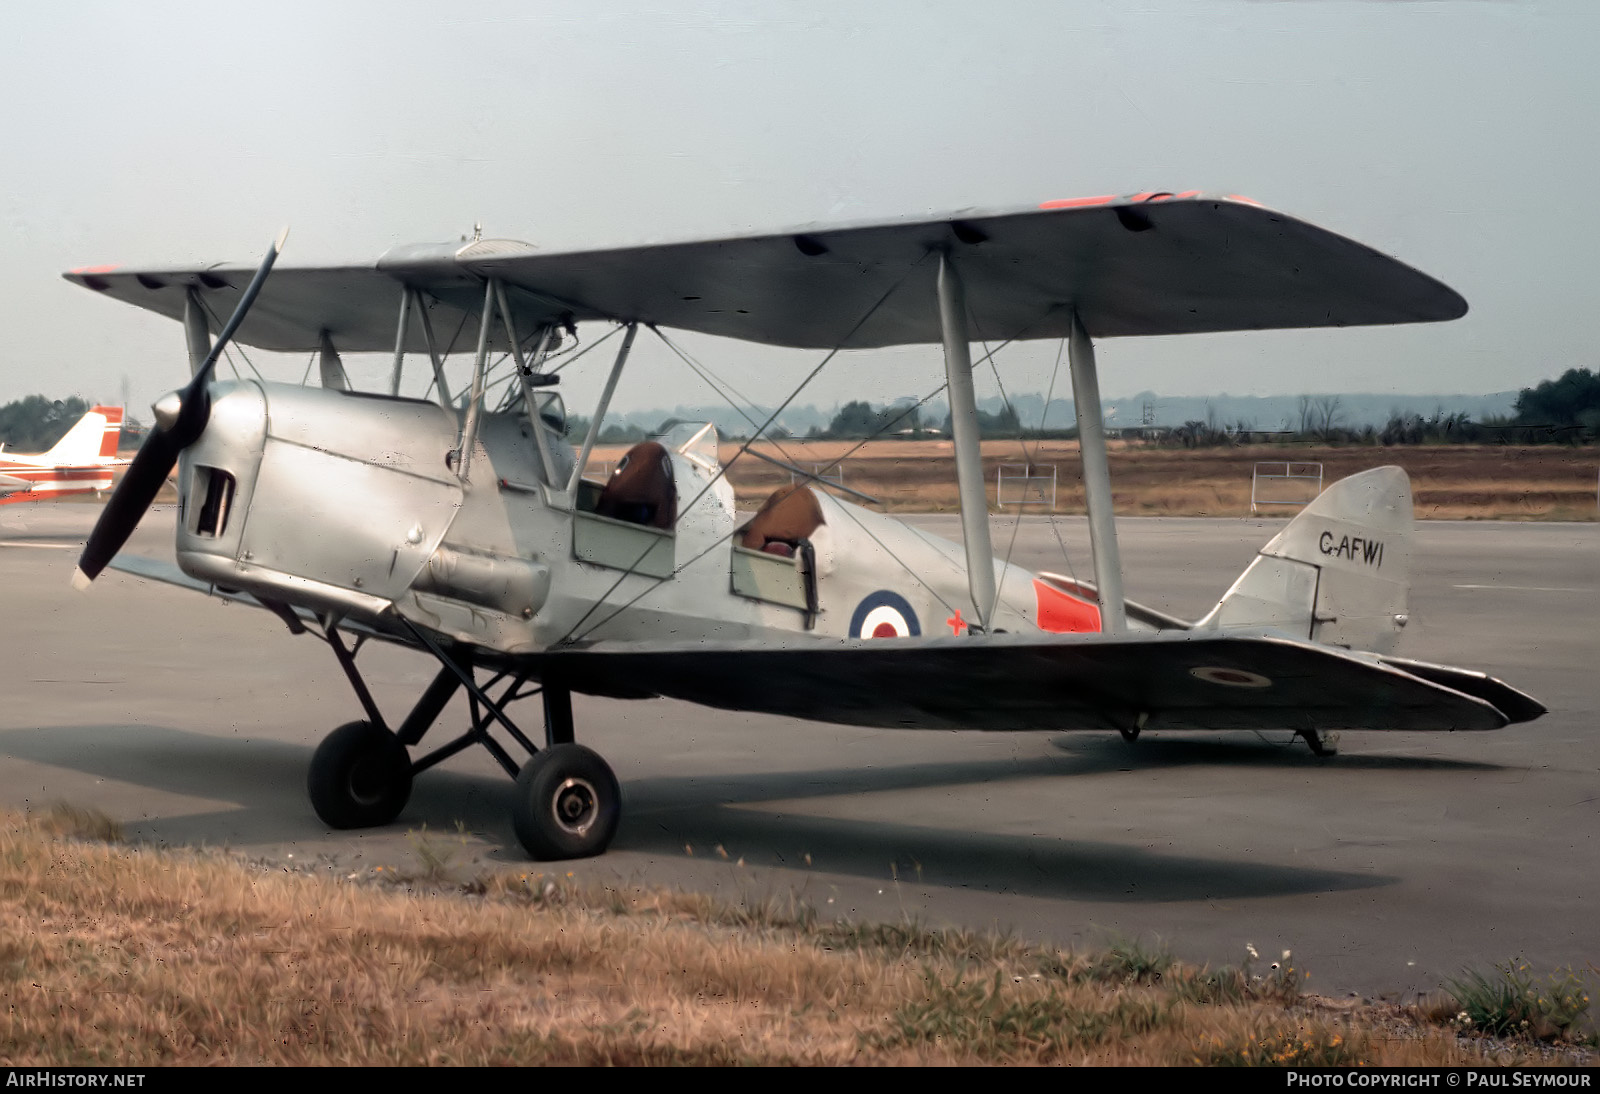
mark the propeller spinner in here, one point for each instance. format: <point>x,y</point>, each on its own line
<point>176,428</point>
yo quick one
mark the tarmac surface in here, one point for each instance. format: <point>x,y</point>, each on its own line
<point>1386,870</point>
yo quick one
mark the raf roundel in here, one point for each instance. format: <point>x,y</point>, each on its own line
<point>1230,677</point>
<point>884,615</point>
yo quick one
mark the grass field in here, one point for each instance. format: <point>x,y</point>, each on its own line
<point>1454,482</point>
<point>111,955</point>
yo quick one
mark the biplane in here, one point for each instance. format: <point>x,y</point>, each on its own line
<point>461,524</point>
<point>82,462</point>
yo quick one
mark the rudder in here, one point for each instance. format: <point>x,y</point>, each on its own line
<point>84,442</point>
<point>113,429</point>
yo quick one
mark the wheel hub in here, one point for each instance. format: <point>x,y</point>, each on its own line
<point>369,778</point>
<point>576,805</point>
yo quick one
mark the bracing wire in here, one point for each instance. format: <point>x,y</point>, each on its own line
<point>723,470</point>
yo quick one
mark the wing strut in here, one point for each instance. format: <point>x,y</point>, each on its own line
<point>330,367</point>
<point>400,339</point>
<point>600,411</point>
<point>530,400</point>
<point>469,428</point>
<point>195,331</point>
<point>969,457</point>
<point>433,350</point>
<point>1096,478</point>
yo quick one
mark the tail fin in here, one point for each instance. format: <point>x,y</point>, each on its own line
<point>1338,574</point>
<point>113,432</point>
<point>82,443</point>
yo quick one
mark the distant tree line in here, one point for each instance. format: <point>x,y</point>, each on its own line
<point>859,420</point>
<point>36,423</point>
<point>1561,411</point>
<point>1564,410</point>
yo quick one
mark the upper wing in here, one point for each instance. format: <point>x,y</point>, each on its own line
<point>1147,264</point>
<point>1016,682</point>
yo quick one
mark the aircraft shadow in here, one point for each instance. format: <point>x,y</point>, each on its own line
<point>1040,866</point>
<point>264,782</point>
<point>1095,753</point>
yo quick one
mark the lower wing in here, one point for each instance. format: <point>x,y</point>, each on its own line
<point>1174,680</point>
<point>1017,682</point>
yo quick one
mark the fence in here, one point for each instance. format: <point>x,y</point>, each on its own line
<point>1025,484</point>
<point>822,472</point>
<point>1285,484</point>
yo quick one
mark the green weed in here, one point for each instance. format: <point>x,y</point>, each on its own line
<point>1512,1001</point>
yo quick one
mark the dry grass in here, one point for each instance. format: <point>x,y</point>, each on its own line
<point>1455,482</point>
<point>114,955</point>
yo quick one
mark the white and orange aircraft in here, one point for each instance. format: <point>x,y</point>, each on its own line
<point>80,462</point>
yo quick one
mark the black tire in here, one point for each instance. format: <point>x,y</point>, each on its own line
<point>360,777</point>
<point>568,804</point>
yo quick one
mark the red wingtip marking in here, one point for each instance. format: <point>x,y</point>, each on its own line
<point>96,269</point>
<point>1247,201</point>
<point>1074,203</point>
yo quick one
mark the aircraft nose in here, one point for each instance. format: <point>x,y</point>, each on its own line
<point>166,409</point>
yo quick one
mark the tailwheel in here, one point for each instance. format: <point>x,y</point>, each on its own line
<point>360,777</point>
<point>567,804</point>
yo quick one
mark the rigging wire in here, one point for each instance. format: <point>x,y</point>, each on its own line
<point>711,379</point>
<point>723,470</point>
<point>988,356</point>
<point>227,351</point>
<point>596,344</point>
<point>1043,418</point>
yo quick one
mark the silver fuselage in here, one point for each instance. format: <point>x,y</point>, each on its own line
<point>349,502</point>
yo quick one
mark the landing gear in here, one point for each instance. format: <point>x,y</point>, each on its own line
<point>567,802</point>
<point>1324,742</point>
<point>360,777</point>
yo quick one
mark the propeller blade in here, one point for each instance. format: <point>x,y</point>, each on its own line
<point>134,494</point>
<point>159,453</point>
<point>195,408</point>
<point>239,312</point>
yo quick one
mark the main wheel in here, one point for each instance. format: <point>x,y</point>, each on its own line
<point>568,803</point>
<point>360,777</point>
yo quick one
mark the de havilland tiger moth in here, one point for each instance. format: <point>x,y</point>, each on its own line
<point>462,525</point>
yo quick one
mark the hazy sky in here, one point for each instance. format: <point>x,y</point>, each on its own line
<point>1457,136</point>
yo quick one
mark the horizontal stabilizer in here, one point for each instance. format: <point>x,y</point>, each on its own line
<point>1515,705</point>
